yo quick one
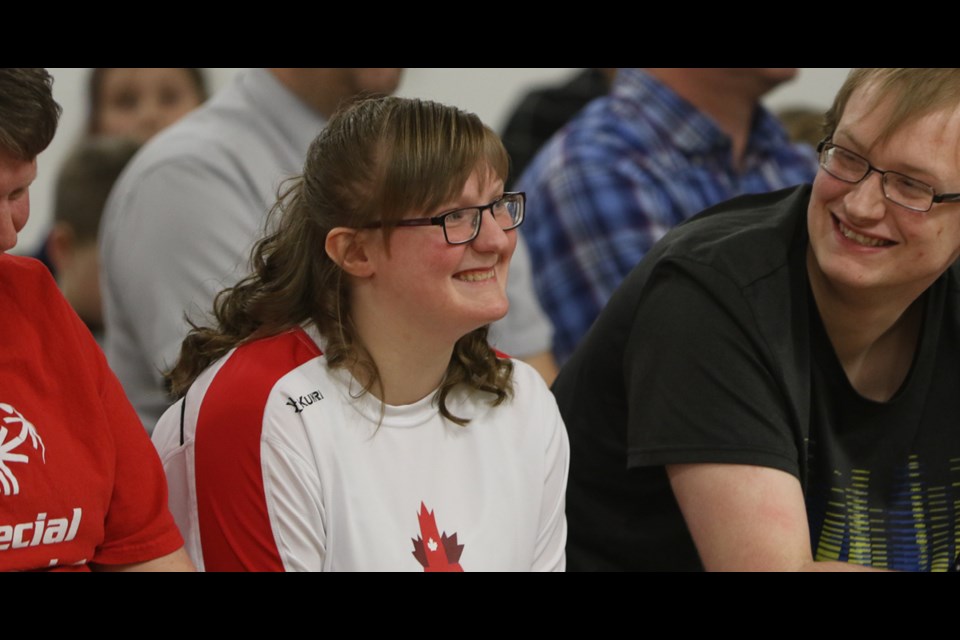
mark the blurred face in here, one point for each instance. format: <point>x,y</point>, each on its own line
<point>327,89</point>
<point>448,290</point>
<point>382,80</point>
<point>859,239</point>
<point>775,75</point>
<point>759,81</point>
<point>140,102</point>
<point>15,178</point>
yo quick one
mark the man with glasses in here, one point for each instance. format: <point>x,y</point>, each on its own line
<point>777,380</point>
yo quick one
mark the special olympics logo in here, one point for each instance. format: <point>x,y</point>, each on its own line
<point>8,481</point>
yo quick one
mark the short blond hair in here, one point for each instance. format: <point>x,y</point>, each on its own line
<point>918,92</point>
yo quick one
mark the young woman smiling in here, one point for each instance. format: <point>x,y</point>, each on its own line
<point>346,411</point>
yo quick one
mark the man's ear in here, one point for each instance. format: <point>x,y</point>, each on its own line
<point>350,249</point>
<point>60,245</point>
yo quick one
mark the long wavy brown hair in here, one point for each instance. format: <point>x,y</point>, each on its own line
<point>379,159</point>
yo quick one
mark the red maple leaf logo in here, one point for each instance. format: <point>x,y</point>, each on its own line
<point>435,552</point>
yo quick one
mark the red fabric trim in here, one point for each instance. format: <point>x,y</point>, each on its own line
<point>235,531</point>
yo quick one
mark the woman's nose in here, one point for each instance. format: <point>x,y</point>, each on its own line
<point>490,237</point>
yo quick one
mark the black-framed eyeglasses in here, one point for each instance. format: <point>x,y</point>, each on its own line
<point>901,189</point>
<point>461,226</point>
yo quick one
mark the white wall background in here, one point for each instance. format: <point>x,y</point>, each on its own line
<point>489,92</point>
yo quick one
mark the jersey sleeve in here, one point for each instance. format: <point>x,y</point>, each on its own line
<point>253,505</point>
<point>253,496</point>
<point>700,380</point>
<point>245,499</point>
<point>295,505</point>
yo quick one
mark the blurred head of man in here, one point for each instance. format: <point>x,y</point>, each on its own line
<point>705,87</point>
<point>28,120</point>
<point>327,89</point>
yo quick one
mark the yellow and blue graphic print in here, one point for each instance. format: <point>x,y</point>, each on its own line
<point>910,524</point>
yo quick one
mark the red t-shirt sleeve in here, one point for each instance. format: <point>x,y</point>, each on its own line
<point>137,525</point>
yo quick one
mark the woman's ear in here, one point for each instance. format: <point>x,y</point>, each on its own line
<point>349,249</point>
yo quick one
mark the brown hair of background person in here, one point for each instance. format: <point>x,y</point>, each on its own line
<point>80,196</point>
<point>378,160</point>
<point>85,180</point>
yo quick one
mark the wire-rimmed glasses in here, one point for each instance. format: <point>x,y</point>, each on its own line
<point>910,193</point>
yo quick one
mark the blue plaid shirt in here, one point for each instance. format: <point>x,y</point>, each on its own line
<point>628,168</point>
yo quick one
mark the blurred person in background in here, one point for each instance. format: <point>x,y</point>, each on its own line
<point>526,331</point>
<point>81,191</point>
<point>662,146</point>
<point>141,102</point>
<point>542,111</point>
<point>134,103</point>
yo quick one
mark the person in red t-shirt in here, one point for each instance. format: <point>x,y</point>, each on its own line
<point>81,487</point>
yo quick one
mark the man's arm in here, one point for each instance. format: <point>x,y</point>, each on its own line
<point>747,518</point>
<point>705,401</point>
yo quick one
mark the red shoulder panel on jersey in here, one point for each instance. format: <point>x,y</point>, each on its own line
<point>235,530</point>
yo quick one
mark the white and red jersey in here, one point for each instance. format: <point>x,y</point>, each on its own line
<point>277,462</point>
<point>79,481</point>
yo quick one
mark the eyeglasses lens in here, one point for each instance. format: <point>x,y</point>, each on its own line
<point>508,211</point>
<point>463,225</point>
<point>903,190</point>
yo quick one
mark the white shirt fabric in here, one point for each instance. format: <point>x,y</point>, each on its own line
<point>339,482</point>
<point>183,217</point>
